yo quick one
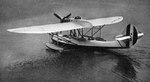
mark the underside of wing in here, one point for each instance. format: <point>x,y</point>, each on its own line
<point>51,28</point>
<point>105,21</point>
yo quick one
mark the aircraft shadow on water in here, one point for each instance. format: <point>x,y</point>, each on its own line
<point>78,63</point>
<point>124,65</point>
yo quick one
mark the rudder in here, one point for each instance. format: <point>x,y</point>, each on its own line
<point>132,32</point>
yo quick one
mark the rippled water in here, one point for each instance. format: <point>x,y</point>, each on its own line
<point>73,66</point>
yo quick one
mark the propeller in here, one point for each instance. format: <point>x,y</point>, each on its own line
<point>64,19</point>
<point>56,15</point>
<point>68,16</point>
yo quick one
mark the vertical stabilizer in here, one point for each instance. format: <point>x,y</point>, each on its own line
<point>132,32</point>
<point>129,36</point>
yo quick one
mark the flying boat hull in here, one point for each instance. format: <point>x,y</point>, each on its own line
<point>127,39</point>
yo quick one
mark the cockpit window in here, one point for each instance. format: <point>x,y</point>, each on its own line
<point>77,17</point>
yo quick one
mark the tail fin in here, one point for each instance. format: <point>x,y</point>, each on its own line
<point>132,32</point>
<point>129,36</point>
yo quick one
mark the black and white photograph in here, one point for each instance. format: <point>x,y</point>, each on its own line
<point>74,40</point>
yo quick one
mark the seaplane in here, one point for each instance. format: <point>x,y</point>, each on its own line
<point>76,32</point>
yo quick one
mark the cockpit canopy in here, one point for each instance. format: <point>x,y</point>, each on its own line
<point>65,20</point>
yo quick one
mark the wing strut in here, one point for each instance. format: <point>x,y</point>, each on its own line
<point>91,29</point>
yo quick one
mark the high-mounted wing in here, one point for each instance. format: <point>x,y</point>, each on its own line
<point>67,26</point>
<point>52,27</point>
<point>105,21</point>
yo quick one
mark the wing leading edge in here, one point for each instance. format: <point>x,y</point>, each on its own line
<point>51,28</point>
